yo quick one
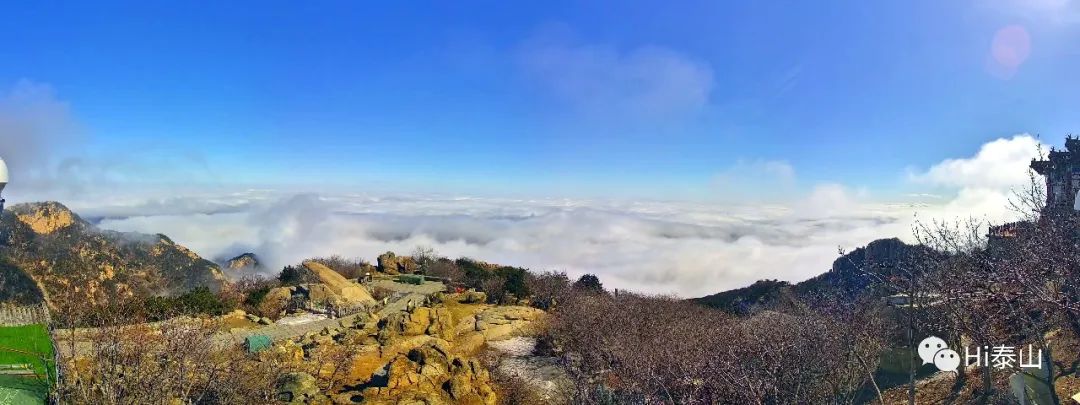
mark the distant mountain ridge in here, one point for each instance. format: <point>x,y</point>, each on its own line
<point>53,255</point>
<point>859,272</point>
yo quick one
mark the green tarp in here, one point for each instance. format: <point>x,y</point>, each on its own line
<point>257,343</point>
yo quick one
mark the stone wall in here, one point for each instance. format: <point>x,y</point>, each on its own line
<point>16,315</point>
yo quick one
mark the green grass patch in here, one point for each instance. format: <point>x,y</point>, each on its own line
<point>23,390</point>
<point>29,344</point>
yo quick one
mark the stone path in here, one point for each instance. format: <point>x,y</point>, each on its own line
<point>543,375</point>
<point>405,293</point>
<point>279,332</point>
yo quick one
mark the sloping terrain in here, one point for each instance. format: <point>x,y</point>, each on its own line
<point>858,272</point>
<point>52,254</point>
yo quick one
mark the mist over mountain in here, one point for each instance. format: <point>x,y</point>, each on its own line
<point>54,255</point>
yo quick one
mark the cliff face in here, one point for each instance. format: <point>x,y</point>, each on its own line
<point>69,260</point>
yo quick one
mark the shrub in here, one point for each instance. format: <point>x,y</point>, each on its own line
<point>547,288</point>
<point>475,272</point>
<point>664,350</point>
<point>379,293</point>
<point>494,288</point>
<point>291,276</point>
<point>199,301</point>
<point>255,297</point>
<point>589,283</point>
<point>407,279</point>
<point>515,282</point>
<point>445,268</point>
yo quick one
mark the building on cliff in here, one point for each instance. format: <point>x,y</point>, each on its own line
<point>1061,168</point>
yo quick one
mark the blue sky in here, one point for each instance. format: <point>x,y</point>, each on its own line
<point>693,100</point>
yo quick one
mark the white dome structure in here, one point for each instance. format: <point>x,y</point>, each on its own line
<point>3,175</point>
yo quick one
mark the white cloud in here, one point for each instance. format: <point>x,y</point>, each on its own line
<point>47,154</point>
<point>999,164</point>
<point>683,248</point>
<point>983,183</point>
<point>34,126</point>
<point>642,82</point>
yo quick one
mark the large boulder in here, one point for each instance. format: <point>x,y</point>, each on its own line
<point>299,388</point>
<point>408,265</point>
<point>504,322</point>
<point>321,294</point>
<point>473,297</point>
<point>432,372</point>
<point>435,322</point>
<point>275,301</point>
<point>348,291</point>
<point>388,263</point>
<point>290,351</point>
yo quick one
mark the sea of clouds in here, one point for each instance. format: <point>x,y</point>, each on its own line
<point>684,248</point>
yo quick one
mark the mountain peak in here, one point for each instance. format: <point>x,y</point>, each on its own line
<point>46,217</point>
<point>245,261</point>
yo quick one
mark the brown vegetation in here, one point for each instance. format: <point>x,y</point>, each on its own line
<point>632,348</point>
<point>120,362</point>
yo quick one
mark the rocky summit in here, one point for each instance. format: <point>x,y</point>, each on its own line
<point>243,262</point>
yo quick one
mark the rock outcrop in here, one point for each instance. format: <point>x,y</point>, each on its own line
<point>390,263</point>
<point>435,322</point>
<point>503,322</point>
<point>300,388</point>
<point>243,262</point>
<point>851,276</point>
<point>435,376</point>
<point>46,218</point>
<point>275,301</point>
<point>349,292</point>
<point>387,263</point>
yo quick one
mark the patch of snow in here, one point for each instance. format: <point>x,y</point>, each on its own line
<point>300,319</point>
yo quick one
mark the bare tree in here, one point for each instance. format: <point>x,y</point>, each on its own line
<point>446,269</point>
<point>548,288</point>
<point>641,349</point>
<point>330,363</point>
<point>904,277</point>
<point>114,358</point>
<point>424,256</point>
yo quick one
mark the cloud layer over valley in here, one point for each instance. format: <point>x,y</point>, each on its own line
<point>688,249</point>
<point>684,248</point>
